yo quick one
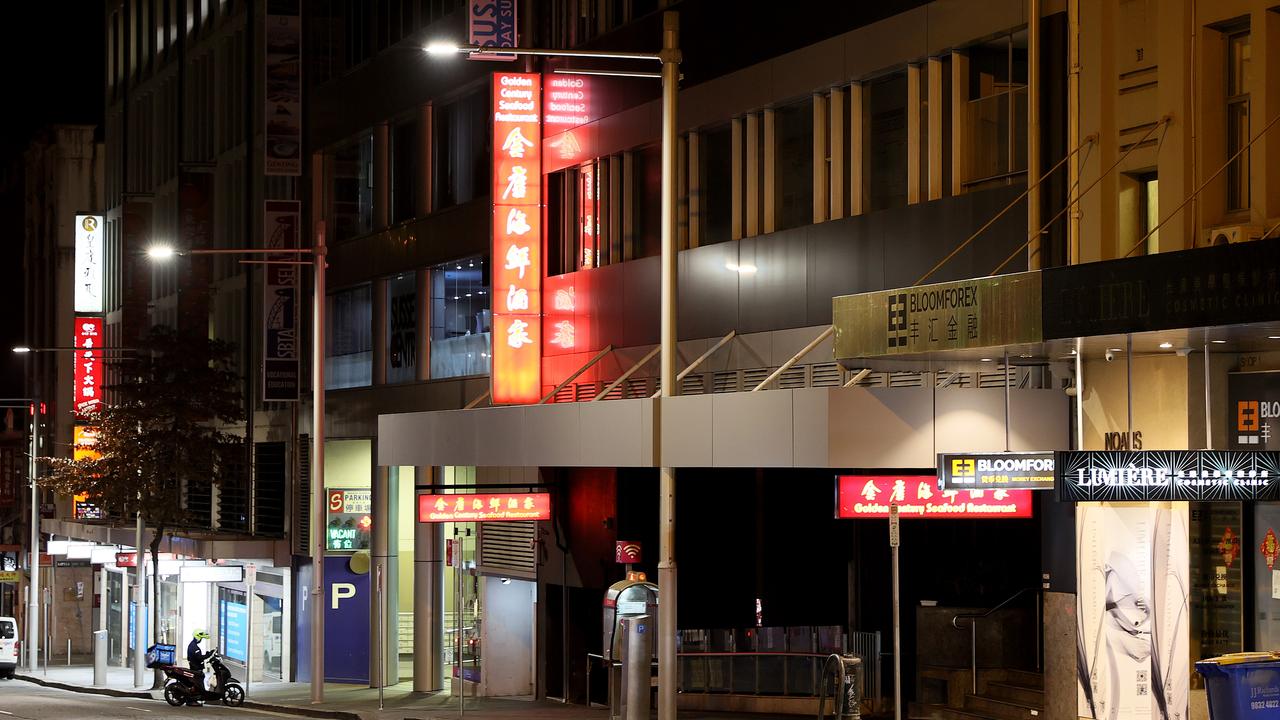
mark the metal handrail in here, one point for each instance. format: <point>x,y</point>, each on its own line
<point>973,619</point>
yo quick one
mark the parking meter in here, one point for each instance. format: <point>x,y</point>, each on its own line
<point>630,598</point>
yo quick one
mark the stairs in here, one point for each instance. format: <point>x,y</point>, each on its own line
<point>1002,695</point>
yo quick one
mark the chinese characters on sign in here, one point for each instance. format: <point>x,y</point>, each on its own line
<point>517,238</point>
<point>350,519</point>
<point>484,507</point>
<point>88,375</point>
<point>283,67</point>
<point>88,268</point>
<point>280,304</point>
<point>1166,475</point>
<point>918,496</point>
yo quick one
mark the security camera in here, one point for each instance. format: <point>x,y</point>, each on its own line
<point>1110,356</point>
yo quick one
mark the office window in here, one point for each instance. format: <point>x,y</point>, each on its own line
<point>460,318</point>
<point>646,184</point>
<point>996,117</point>
<point>1238,82</point>
<point>886,142</point>
<point>716,184</point>
<point>348,360</point>
<point>461,136</point>
<point>353,188</point>
<point>402,328</point>
<point>404,156</point>
<point>794,181</point>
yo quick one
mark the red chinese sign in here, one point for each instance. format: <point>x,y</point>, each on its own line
<point>484,507</point>
<point>517,237</point>
<point>918,496</point>
<point>1229,547</point>
<point>1270,548</point>
<point>88,375</point>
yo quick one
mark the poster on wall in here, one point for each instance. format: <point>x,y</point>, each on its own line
<point>234,629</point>
<point>1133,634</point>
<point>281,219</point>
<point>283,68</point>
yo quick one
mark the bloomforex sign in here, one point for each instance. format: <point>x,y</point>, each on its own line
<point>1253,399</point>
<point>88,264</point>
<point>517,238</point>
<point>918,496</point>
<point>484,507</point>
<point>1023,471</point>
<point>1168,475</point>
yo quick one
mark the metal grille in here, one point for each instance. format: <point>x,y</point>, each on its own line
<point>692,385</point>
<point>269,491</point>
<point>906,379</point>
<point>565,394</point>
<point>825,375</point>
<point>723,382</point>
<point>585,391</point>
<point>507,548</point>
<point>753,377</point>
<point>302,518</point>
<point>638,387</point>
<point>234,492</point>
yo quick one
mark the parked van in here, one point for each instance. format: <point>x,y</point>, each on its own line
<point>8,646</point>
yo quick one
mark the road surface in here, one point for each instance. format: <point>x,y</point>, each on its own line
<point>21,700</point>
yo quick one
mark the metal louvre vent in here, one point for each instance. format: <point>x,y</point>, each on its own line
<point>873,380</point>
<point>637,387</point>
<point>565,394</point>
<point>302,518</point>
<point>791,379</point>
<point>270,488</point>
<point>753,377</point>
<point>906,379</point>
<point>692,385</point>
<point>723,382</point>
<point>585,391</point>
<point>998,378</point>
<point>507,548</point>
<point>826,375</point>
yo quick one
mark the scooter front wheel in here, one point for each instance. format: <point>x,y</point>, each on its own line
<point>233,696</point>
<point>173,696</point>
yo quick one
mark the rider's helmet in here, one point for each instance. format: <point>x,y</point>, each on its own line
<point>200,635</point>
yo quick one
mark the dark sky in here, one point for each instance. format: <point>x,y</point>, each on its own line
<point>53,55</point>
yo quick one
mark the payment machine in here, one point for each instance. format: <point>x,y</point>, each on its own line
<point>629,606</point>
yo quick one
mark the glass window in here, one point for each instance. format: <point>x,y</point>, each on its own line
<point>349,339</point>
<point>353,188</point>
<point>794,181</point>
<point>402,328</point>
<point>887,143</point>
<point>404,147</point>
<point>462,150</point>
<point>1149,210</point>
<point>647,185</point>
<point>996,116</point>
<point>716,184</point>
<point>1238,82</point>
<point>460,318</point>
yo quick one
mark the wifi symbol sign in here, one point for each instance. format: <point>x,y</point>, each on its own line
<point>626,552</point>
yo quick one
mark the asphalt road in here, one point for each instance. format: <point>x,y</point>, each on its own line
<point>21,700</point>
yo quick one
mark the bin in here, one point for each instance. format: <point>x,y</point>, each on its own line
<point>1242,686</point>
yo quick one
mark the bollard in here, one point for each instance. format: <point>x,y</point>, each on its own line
<point>100,658</point>
<point>637,649</point>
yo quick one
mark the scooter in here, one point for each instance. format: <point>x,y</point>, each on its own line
<point>184,685</point>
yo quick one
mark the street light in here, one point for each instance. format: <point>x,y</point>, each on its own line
<point>317,253</point>
<point>669,56</point>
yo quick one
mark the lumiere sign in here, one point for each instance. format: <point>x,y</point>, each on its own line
<point>983,312</point>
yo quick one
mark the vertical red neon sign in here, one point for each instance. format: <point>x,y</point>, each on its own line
<point>517,238</point>
<point>88,375</point>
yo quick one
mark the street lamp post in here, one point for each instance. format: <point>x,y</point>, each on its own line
<point>317,252</point>
<point>669,57</point>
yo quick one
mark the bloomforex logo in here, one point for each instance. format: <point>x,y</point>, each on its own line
<point>897,327</point>
<point>962,469</point>
<point>1251,428</point>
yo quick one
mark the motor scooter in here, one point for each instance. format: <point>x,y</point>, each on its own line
<point>185,685</point>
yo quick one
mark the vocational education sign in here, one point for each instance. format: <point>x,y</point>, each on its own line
<point>1023,471</point>
<point>1228,475</point>
<point>918,496</point>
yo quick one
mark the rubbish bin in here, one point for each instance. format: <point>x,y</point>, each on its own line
<point>1242,686</point>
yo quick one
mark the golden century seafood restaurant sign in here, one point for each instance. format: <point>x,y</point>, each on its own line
<point>983,312</point>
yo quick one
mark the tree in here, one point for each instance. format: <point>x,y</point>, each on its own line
<point>160,435</point>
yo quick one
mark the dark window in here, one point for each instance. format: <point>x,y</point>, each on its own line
<point>462,150</point>
<point>404,155</point>
<point>353,188</point>
<point>794,175</point>
<point>647,186</point>
<point>349,341</point>
<point>716,184</point>
<point>271,491</point>
<point>887,143</point>
<point>1238,81</point>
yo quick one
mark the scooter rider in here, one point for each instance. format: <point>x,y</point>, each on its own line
<point>195,661</point>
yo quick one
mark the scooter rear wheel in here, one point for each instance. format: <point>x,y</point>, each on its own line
<point>173,696</point>
<point>233,696</point>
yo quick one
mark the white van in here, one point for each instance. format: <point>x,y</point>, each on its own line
<point>8,646</point>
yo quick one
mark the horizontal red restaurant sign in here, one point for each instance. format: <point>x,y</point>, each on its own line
<point>918,496</point>
<point>484,507</point>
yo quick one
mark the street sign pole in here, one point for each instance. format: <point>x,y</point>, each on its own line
<point>894,541</point>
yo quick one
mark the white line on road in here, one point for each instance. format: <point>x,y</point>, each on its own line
<point>5,712</point>
<point>137,708</point>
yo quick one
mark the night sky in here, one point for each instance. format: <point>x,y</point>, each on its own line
<point>53,52</point>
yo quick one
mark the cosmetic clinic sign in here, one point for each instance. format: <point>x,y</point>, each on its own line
<point>1168,475</point>
<point>484,507</point>
<point>1021,471</point>
<point>87,389</point>
<point>89,264</point>
<point>517,238</point>
<point>918,496</point>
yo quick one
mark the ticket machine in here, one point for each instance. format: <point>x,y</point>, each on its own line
<point>633,599</point>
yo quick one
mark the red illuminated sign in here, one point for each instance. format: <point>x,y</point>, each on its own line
<point>88,375</point>
<point>517,237</point>
<point>918,496</point>
<point>484,507</point>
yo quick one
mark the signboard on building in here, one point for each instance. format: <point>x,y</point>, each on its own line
<point>1253,402</point>
<point>350,519</point>
<point>484,507</point>
<point>517,238</point>
<point>491,24</point>
<point>984,312</point>
<point>1168,475</point>
<point>283,68</point>
<point>626,552</point>
<point>280,303</point>
<point>1226,284</point>
<point>346,614</point>
<point>89,263</point>
<point>84,441</point>
<point>233,629</point>
<point>1023,471</point>
<point>87,389</point>
<point>10,576</point>
<point>918,496</point>
<point>13,473</point>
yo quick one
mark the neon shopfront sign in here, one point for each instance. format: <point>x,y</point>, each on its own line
<point>918,496</point>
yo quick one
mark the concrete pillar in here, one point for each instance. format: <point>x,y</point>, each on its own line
<point>381,176</point>
<point>428,611</point>
<point>935,128</point>
<point>769,182</point>
<point>857,150</point>
<point>384,554</point>
<point>913,134</point>
<point>821,171</point>
<point>423,168</point>
<point>959,104</point>
<point>752,142</point>
<point>838,157</point>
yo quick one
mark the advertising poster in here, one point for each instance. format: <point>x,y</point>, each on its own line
<point>1132,646</point>
<point>234,630</point>
<point>283,67</point>
<point>280,303</point>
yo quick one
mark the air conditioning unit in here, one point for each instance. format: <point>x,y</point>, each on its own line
<point>1227,234</point>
